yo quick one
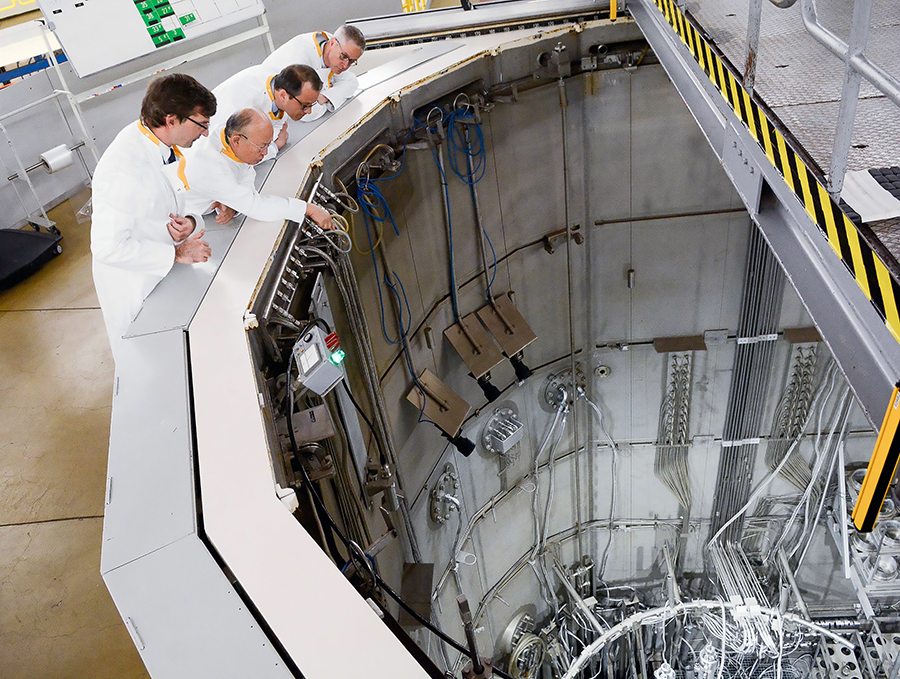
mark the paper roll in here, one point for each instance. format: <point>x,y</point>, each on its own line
<point>57,158</point>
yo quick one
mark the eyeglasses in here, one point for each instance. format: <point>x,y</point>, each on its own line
<point>261,149</point>
<point>344,56</point>
<point>200,125</point>
<point>306,107</point>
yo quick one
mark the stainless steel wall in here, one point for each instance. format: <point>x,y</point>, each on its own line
<point>649,196</point>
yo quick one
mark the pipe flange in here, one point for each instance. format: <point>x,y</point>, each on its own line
<point>559,385</point>
<point>447,484</point>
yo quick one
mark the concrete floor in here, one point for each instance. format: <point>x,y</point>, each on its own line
<point>57,619</point>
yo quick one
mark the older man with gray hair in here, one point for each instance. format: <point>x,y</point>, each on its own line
<point>331,56</point>
<point>221,175</point>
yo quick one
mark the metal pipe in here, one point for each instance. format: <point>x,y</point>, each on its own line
<point>25,176</point>
<point>466,616</point>
<point>73,101</point>
<point>40,163</point>
<point>878,77</point>
<point>577,600</point>
<point>349,288</point>
<point>788,573</point>
<point>859,33</point>
<point>478,223</point>
<point>563,105</point>
<point>445,201</point>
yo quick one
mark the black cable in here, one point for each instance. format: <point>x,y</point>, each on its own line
<point>317,499</point>
<point>362,414</point>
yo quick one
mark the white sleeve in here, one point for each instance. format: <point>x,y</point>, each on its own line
<point>343,87</point>
<point>221,185</point>
<point>114,223</point>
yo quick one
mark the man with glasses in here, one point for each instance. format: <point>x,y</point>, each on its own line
<point>331,56</point>
<point>291,92</point>
<point>221,175</point>
<point>140,226</point>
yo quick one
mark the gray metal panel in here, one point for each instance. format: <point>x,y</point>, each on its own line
<point>173,302</point>
<point>150,479</point>
<point>863,347</point>
<point>185,618</point>
<point>419,55</point>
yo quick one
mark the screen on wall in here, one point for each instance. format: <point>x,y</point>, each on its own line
<point>99,34</point>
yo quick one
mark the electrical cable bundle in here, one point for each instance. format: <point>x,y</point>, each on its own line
<point>365,561</point>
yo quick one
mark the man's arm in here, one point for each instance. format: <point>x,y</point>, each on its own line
<point>219,183</point>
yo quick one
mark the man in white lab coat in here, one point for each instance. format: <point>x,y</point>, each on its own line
<point>291,92</point>
<point>331,56</point>
<point>221,176</point>
<point>139,225</point>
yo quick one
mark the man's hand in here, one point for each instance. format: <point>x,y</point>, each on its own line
<point>224,214</point>
<point>322,99</point>
<point>320,216</point>
<point>281,139</point>
<point>193,250</point>
<point>180,227</point>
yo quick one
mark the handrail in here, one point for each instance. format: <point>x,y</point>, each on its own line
<point>858,66</point>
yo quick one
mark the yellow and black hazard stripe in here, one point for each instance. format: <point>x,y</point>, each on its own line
<point>868,270</point>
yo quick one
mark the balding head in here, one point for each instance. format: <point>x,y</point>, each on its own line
<point>249,133</point>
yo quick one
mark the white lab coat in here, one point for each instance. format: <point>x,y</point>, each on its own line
<point>307,49</point>
<point>250,88</point>
<point>214,173</point>
<point>132,249</point>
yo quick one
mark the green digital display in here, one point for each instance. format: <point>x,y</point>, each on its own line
<point>153,12</point>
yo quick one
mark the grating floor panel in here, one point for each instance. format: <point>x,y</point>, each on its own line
<point>801,80</point>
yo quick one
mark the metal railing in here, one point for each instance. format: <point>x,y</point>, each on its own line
<point>857,68</point>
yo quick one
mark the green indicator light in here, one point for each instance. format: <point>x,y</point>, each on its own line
<point>338,356</point>
<point>155,29</point>
<point>164,11</point>
<point>188,18</point>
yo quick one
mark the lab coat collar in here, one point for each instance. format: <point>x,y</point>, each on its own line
<point>275,113</point>
<point>164,153</point>
<point>226,149</point>
<point>164,150</point>
<point>320,38</point>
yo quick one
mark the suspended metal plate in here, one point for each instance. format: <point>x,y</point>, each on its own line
<point>443,406</point>
<point>474,345</point>
<point>507,325</point>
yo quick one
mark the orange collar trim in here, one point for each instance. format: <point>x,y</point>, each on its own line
<point>320,38</point>
<point>271,93</point>
<point>147,133</point>
<point>226,148</point>
<point>178,154</point>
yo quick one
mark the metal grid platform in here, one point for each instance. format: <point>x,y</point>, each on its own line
<point>801,81</point>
